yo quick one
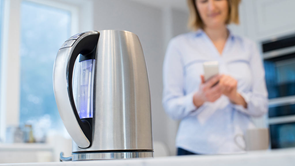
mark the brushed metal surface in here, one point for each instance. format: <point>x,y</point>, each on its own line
<point>122,110</point>
<point>122,106</point>
<point>110,156</point>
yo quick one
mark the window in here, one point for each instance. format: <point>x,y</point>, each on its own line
<point>43,30</point>
<point>32,32</point>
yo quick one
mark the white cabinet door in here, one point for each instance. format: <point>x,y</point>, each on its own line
<point>274,17</point>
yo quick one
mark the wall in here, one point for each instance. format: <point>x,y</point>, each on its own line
<point>174,23</point>
<point>179,26</point>
<point>179,22</point>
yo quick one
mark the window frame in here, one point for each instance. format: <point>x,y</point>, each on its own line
<point>2,115</point>
<point>10,63</point>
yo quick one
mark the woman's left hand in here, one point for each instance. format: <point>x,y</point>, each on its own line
<point>230,85</point>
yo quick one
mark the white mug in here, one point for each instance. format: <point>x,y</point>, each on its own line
<point>255,139</point>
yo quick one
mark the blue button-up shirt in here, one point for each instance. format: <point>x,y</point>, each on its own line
<point>211,128</point>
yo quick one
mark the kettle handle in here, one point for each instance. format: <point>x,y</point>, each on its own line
<point>85,44</point>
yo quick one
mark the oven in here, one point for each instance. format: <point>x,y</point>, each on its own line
<point>279,64</point>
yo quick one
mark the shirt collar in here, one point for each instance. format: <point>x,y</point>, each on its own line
<point>200,32</point>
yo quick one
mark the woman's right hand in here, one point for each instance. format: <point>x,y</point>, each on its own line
<point>208,92</point>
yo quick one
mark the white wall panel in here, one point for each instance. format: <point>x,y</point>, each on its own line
<point>274,17</point>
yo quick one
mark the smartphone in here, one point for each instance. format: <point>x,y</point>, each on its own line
<point>211,69</point>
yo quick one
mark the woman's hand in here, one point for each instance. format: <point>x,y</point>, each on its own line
<point>230,85</point>
<point>209,91</point>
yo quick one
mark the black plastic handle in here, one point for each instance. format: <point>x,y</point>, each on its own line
<point>87,47</point>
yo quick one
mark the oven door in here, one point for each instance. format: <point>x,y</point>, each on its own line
<point>282,135</point>
<point>279,64</point>
<point>282,122</point>
<point>280,76</point>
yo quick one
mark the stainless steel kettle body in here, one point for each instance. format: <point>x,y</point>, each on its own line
<point>120,126</point>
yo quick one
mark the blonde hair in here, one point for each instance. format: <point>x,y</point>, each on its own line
<point>195,22</point>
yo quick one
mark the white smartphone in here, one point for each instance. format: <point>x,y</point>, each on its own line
<point>211,69</point>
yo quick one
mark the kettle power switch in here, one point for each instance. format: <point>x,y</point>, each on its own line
<point>68,43</point>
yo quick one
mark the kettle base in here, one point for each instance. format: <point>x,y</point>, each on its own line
<point>110,155</point>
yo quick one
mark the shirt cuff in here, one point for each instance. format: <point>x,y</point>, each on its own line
<point>190,106</point>
<point>240,107</point>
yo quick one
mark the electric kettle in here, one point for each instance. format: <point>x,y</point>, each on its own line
<point>102,93</point>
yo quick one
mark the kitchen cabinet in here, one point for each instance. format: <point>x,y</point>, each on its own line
<point>274,17</point>
<point>265,19</point>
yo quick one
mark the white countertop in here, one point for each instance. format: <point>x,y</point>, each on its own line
<point>260,158</point>
<point>25,146</point>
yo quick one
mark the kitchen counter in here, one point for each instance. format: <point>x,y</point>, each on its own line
<point>259,158</point>
<point>26,152</point>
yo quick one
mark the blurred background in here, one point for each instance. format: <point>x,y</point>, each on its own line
<point>32,31</point>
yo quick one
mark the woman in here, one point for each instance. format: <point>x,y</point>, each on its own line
<point>212,113</point>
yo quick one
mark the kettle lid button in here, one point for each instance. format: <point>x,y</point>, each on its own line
<point>75,37</point>
<point>68,43</point>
